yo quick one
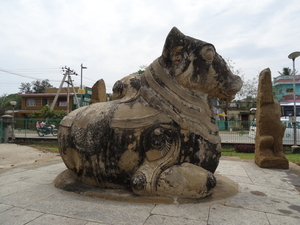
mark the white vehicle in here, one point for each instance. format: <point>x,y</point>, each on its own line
<point>288,137</point>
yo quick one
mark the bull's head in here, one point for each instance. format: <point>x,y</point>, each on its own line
<point>196,65</point>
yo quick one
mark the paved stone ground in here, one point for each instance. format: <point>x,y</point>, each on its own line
<point>28,196</point>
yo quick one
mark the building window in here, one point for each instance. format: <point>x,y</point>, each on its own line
<point>62,102</point>
<point>289,90</point>
<point>45,101</point>
<point>30,102</point>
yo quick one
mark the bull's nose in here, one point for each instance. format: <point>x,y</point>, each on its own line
<point>237,84</point>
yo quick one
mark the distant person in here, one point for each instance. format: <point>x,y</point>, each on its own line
<point>43,124</point>
<point>38,125</point>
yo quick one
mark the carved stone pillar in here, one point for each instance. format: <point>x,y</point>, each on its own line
<point>7,127</point>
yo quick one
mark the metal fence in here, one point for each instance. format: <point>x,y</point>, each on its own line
<point>27,127</point>
<point>239,132</point>
<point>230,131</point>
<point>1,131</point>
<point>235,131</point>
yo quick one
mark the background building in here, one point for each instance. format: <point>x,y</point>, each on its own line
<point>31,103</point>
<point>283,88</point>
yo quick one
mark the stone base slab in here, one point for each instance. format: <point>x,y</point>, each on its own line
<point>224,190</point>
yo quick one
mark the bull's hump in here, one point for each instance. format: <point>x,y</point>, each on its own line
<point>137,115</point>
<point>68,120</point>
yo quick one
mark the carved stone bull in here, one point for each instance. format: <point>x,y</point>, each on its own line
<point>159,135</point>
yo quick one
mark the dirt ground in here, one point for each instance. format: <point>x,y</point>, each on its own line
<point>13,155</point>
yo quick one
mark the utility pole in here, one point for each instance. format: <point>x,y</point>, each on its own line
<point>67,73</point>
<point>293,56</point>
<point>82,67</point>
<point>81,90</point>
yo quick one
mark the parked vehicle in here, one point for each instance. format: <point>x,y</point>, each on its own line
<point>47,130</point>
<point>288,137</point>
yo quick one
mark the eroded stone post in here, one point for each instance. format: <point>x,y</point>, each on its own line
<point>269,129</point>
<point>98,92</point>
<point>7,127</point>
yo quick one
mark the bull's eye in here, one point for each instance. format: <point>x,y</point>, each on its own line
<point>208,53</point>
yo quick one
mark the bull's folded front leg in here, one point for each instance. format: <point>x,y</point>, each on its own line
<point>161,174</point>
<point>185,180</point>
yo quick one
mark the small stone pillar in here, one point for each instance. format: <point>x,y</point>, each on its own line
<point>98,92</point>
<point>7,127</point>
<point>269,129</point>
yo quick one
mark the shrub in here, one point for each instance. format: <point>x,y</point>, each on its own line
<point>244,148</point>
<point>45,112</point>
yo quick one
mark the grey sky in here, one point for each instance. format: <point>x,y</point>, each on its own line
<point>114,38</point>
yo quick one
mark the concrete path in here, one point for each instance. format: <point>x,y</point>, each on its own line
<point>28,196</point>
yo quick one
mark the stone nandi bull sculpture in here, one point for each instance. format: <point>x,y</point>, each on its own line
<point>159,136</point>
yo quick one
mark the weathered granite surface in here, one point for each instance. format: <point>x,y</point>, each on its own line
<point>159,136</point>
<point>269,128</point>
<point>98,92</point>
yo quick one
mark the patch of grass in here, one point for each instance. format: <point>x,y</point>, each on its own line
<point>228,150</point>
<point>50,147</point>
<point>240,155</point>
<point>295,158</point>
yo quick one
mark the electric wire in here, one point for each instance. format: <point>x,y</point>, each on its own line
<point>26,73</point>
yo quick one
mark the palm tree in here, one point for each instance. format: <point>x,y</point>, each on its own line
<point>286,71</point>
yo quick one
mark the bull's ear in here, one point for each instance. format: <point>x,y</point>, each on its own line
<point>174,40</point>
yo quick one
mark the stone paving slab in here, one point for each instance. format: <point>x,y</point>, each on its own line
<point>227,215</point>
<point>47,219</point>
<point>29,196</point>
<point>266,204</point>
<point>266,196</point>
<point>18,216</point>
<point>167,220</point>
<point>188,211</point>
<point>95,209</point>
<point>15,187</point>
<point>4,207</point>
<point>282,220</point>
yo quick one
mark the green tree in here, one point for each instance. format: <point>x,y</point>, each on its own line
<point>249,88</point>
<point>45,113</point>
<point>247,94</point>
<point>286,71</point>
<point>37,86</point>
<point>141,70</point>
<point>224,105</point>
<point>25,88</point>
<point>5,102</point>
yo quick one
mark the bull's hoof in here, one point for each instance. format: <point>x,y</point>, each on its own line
<point>211,181</point>
<point>138,181</point>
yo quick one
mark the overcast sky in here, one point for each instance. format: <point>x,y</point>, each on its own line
<point>114,38</point>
